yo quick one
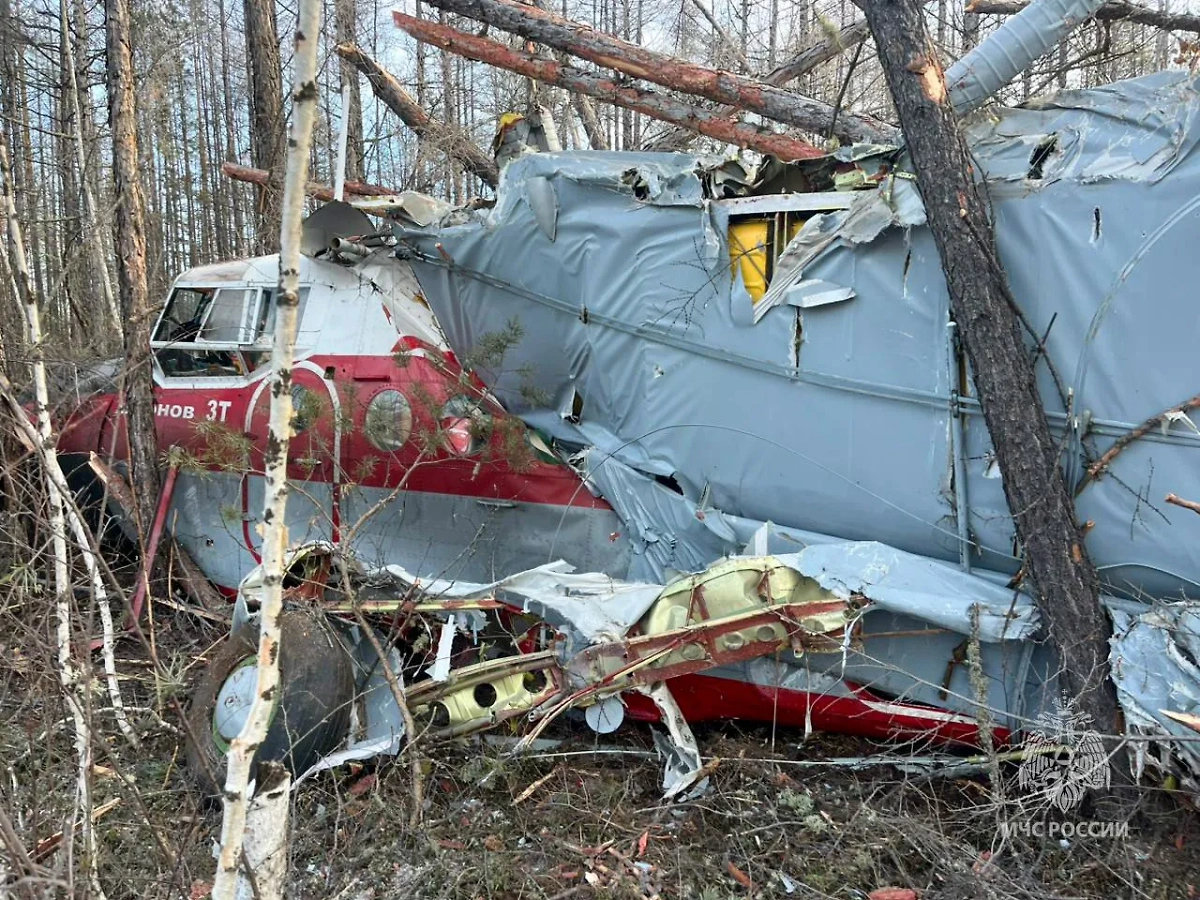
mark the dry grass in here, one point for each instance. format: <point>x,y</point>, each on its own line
<point>583,819</point>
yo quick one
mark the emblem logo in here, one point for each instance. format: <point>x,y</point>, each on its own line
<point>1063,757</point>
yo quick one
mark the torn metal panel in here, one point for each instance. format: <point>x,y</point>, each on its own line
<point>682,767</point>
<point>855,637</point>
<point>919,587</point>
<point>594,606</point>
<point>470,656</point>
<point>1138,130</point>
<point>1155,668</point>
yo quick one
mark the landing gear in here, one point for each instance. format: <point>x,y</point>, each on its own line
<point>310,719</point>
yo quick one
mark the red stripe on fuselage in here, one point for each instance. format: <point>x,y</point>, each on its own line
<point>194,417</point>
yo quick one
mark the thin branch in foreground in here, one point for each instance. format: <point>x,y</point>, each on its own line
<point>1186,504</point>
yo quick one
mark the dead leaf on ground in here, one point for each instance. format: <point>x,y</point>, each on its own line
<point>739,876</point>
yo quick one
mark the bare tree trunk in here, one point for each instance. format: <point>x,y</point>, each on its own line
<point>1067,586</point>
<point>266,845</point>
<point>90,226</point>
<point>346,16</point>
<point>130,241</point>
<point>237,219</point>
<point>591,122</point>
<point>275,537</point>
<point>268,148</point>
<point>655,105</point>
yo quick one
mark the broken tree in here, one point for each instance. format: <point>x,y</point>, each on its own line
<point>322,192</point>
<point>744,93</point>
<point>619,93</point>
<point>457,144</point>
<point>1067,586</point>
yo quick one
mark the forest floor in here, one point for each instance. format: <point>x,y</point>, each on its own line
<point>582,818</point>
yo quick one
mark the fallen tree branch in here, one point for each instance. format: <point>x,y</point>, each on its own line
<point>322,192</point>
<point>399,101</point>
<point>1186,504</point>
<point>1097,468</point>
<point>46,846</point>
<point>803,62</point>
<point>739,91</point>
<point>849,36</point>
<point>1113,11</point>
<point>649,103</point>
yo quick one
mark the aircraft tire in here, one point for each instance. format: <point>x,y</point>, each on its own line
<point>312,716</point>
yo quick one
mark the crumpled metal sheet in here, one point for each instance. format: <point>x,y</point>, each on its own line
<point>920,587</point>
<point>594,606</point>
<point>1155,659</point>
<point>837,419</point>
<point>1137,130</point>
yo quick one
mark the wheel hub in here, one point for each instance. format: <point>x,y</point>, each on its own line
<point>234,701</point>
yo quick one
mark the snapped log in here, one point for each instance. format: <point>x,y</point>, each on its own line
<point>739,91</point>
<point>649,103</point>
<point>390,92</point>
<point>322,192</point>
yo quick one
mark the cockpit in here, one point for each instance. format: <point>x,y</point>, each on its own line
<point>217,331</point>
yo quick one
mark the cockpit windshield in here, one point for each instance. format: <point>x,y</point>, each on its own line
<point>216,331</point>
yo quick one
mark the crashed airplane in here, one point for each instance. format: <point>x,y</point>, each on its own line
<point>671,438</point>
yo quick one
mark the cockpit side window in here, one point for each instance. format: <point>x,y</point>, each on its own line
<point>184,314</point>
<point>226,320</point>
<point>216,332</point>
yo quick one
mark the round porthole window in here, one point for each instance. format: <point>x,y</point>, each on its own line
<point>464,425</point>
<point>388,422</point>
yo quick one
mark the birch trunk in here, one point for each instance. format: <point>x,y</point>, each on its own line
<point>68,672</point>
<point>244,746</point>
<point>266,841</point>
